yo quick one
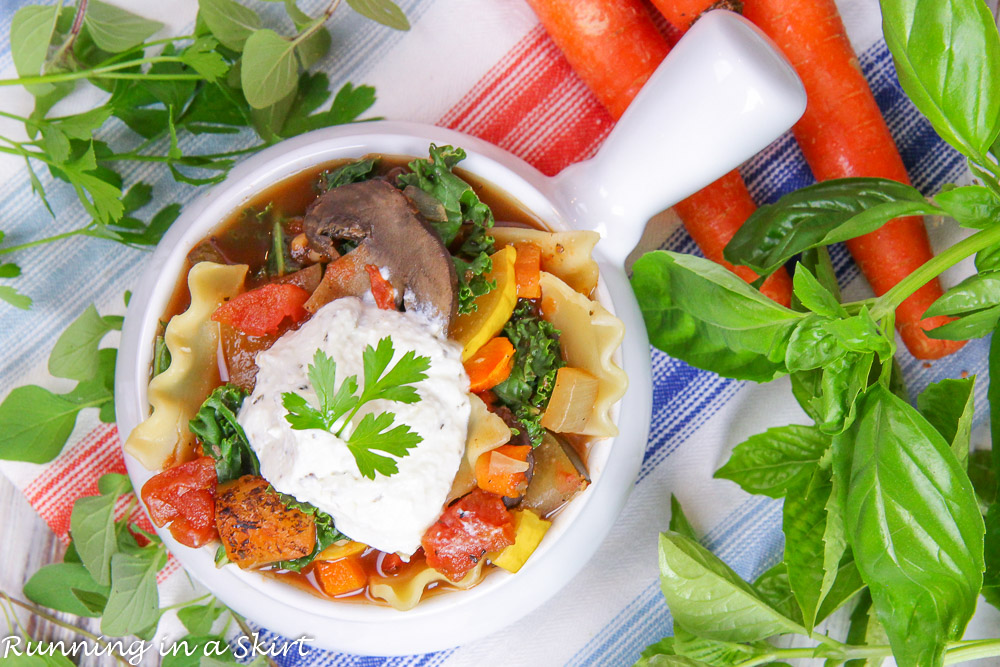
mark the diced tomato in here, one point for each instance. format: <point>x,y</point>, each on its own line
<point>466,531</point>
<point>261,311</point>
<point>184,497</point>
<point>385,296</point>
<point>389,563</point>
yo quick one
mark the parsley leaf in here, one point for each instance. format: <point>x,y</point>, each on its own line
<point>373,432</point>
<point>536,360</point>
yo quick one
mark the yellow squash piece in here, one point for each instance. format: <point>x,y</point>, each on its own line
<point>339,550</point>
<point>493,309</point>
<point>529,531</point>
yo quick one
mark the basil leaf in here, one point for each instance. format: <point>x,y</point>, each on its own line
<point>52,585</point>
<point>230,22</point>
<point>956,82</point>
<point>819,215</point>
<point>814,542</point>
<point>115,30</point>
<point>14,298</point>
<point>812,345</point>
<point>678,521</point>
<point>972,206</point>
<point>385,12</point>
<point>814,295</point>
<point>973,325</point>
<point>915,527</point>
<point>774,589</point>
<point>977,292</point>
<point>846,585</point>
<point>948,405</point>
<point>865,630</point>
<point>713,651</point>
<point>988,259</point>
<point>828,394</point>
<point>991,555</point>
<point>134,603</point>
<point>199,619</point>
<point>775,461</point>
<point>708,598</point>
<point>701,313</point>
<point>270,71</point>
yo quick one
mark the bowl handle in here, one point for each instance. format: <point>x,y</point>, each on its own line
<point>722,94</point>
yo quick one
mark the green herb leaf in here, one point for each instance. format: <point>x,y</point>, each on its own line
<point>134,602</point>
<point>973,325</point>
<point>829,394</point>
<point>678,521</point>
<point>846,586</point>
<point>199,619</point>
<point>700,312</point>
<point>372,434</point>
<point>774,588</point>
<point>713,651</point>
<point>814,295</point>
<point>74,355</point>
<point>819,215</point>
<point>230,22</point>
<point>975,293</point>
<point>775,461</point>
<point>972,206</point>
<point>115,30</point>
<point>52,586</point>
<point>92,524</point>
<point>707,598</point>
<point>865,630</point>
<point>35,424</point>
<point>948,405</point>
<point>221,435</point>
<point>385,12</point>
<point>270,71</point>
<point>14,298</point>
<point>396,384</point>
<point>314,48</point>
<point>352,172</point>
<point>956,84</point>
<point>31,32</point>
<point>915,527</point>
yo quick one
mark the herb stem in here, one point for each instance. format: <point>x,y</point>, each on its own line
<point>107,72</point>
<point>971,650</point>
<point>186,603</point>
<point>41,613</point>
<point>48,239</point>
<point>81,11</point>
<point>931,269</point>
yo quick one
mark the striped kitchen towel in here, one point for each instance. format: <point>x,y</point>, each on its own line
<point>487,68</point>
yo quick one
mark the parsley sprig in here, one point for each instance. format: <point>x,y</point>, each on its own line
<point>339,405</point>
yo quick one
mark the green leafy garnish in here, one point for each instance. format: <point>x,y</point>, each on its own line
<point>467,221</point>
<point>221,435</point>
<point>536,360</point>
<point>339,405</point>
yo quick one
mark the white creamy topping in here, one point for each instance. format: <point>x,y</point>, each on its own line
<point>388,513</point>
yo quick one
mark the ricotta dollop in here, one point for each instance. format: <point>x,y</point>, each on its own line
<point>388,513</point>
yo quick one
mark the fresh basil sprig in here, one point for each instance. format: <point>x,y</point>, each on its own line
<point>886,512</point>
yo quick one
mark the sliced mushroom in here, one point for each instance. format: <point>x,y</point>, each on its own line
<point>384,222</point>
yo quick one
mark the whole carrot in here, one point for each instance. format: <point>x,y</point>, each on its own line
<point>614,47</point>
<point>843,134</point>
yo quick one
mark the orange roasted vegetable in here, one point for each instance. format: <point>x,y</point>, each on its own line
<point>527,270</point>
<point>336,577</point>
<point>490,365</point>
<point>257,528</point>
<point>503,470</point>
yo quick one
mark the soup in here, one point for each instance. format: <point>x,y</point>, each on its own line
<point>366,387</point>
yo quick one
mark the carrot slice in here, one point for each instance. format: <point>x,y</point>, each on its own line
<point>337,577</point>
<point>490,365</point>
<point>385,296</point>
<point>497,471</point>
<point>614,47</point>
<point>843,134</point>
<point>527,270</point>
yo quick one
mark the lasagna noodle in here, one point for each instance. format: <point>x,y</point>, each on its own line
<point>404,594</point>
<point>177,393</point>
<point>588,339</point>
<point>486,432</point>
<point>567,255</point>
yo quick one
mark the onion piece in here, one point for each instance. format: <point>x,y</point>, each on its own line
<point>501,464</point>
<point>572,402</point>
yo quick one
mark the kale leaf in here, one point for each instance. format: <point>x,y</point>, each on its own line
<point>468,220</point>
<point>221,435</point>
<point>352,172</point>
<point>536,360</point>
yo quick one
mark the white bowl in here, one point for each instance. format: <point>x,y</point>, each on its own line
<point>728,92</point>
